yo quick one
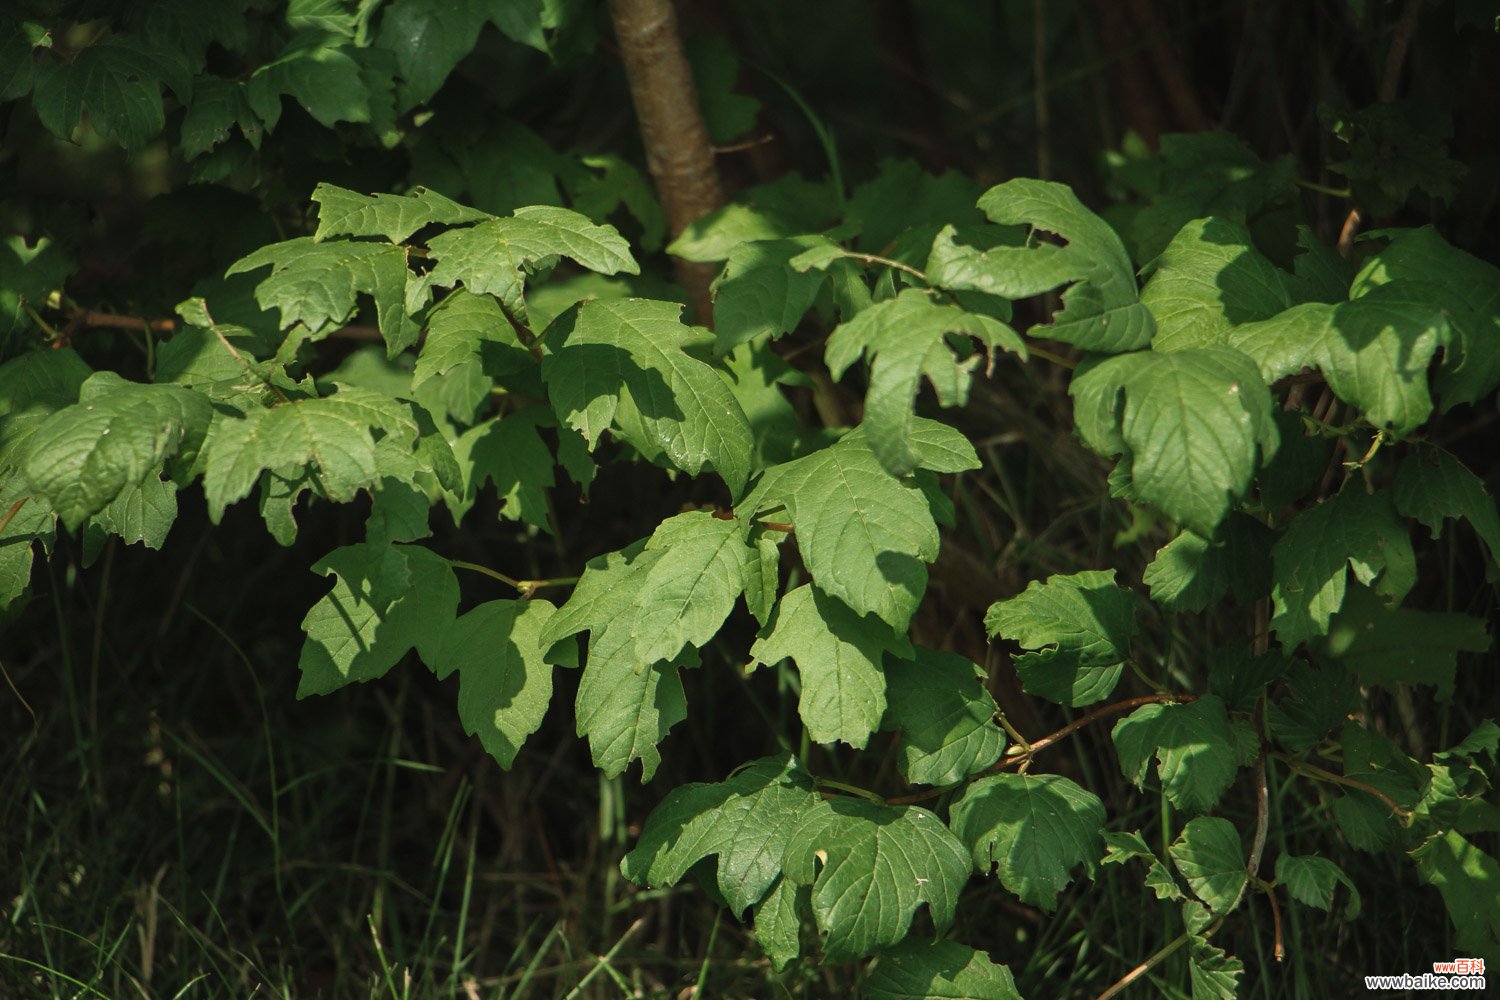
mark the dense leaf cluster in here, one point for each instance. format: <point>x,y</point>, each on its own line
<point>1274,412</point>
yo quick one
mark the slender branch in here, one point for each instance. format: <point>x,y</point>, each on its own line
<point>1279,951</point>
<point>1146,966</point>
<point>524,587</point>
<point>1178,697</point>
<point>1317,773</point>
<point>94,320</point>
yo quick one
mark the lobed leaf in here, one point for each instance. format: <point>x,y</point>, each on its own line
<point>946,717</point>
<point>504,671</point>
<point>622,362</point>
<point>1191,744</point>
<point>870,867</point>
<point>1077,629</point>
<point>1034,830</point>
<point>1194,427</point>
<point>1101,309</point>
<point>838,655</point>
<point>905,340</point>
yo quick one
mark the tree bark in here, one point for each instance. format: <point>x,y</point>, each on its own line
<point>678,152</point>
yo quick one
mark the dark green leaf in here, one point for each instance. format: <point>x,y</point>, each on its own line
<point>1078,629</point>
<point>1034,829</point>
<point>1191,744</point>
<point>1352,530</point>
<point>1209,855</point>
<point>921,969</point>
<point>1194,427</point>
<point>939,705</point>
<point>870,867</point>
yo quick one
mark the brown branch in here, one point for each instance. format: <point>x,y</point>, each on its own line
<point>1280,947</point>
<point>94,320</point>
<point>1395,58</point>
<point>678,152</point>
<point>1313,771</point>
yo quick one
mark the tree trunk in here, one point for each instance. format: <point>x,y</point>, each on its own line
<point>678,152</point>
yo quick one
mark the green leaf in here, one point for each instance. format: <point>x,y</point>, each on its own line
<point>745,823</point>
<point>902,195</point>
<point>1352,530</point>
<point>1465,877</point>
<point>1101,310</point>
<point>1034,829</point>
<point>317,284</point>
<point>787,206</point>
<point>342,212</point>
<point>33,387</point>
<point>494,256</point>
<point>919,969</point>
<point>1123,847</point>
<point>1194,427</point>
<point>946,718</point>
<point>1191,573</point>
<point>141,513</point>
<point>1310,880</point>
<point>870,867</point>
<point>84,456</point>
<point>1432,486</point>
<point>119,81</point>
<point>716,72</point>
<point>504,671</point>
<point>1208,280</point>
<point>687,594</point>
<point>864,535</point>
<point>905,340</point>
<point>17,67</point>
<point>1189,176</point>
<point>1077,629</point>
<point>428,40</point>
<point>385,601</point>
<point>509,453</point>
<point>1374,350</point>
<point>778,922</point>
<point>218,106</point>
<point>333,438</point>
<point>319,73</point>
<point>623,362</point>
<point>27,523</point>
<point>1316,702</point>
<point>1298,467</point>
<point>1209,855</point>
<point>758,294</point>
<point>1393,646</point>
<point>625,708</point>
<point>466,328</point>
<point>28,275</point>
<point>1190,742</point>
<point>1468,289</point>
<point>1213,972</point>
<point>838,656</point>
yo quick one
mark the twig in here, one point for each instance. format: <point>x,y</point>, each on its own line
<point>526,588</point>
<point>1146,966</point>
<point>1317,773</point>
<point>1279,951</point>
<point>94,320</point>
